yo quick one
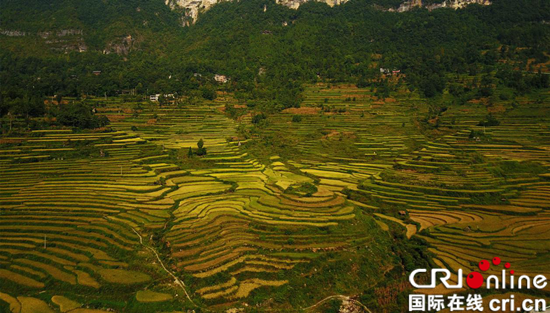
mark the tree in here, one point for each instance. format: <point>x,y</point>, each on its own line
<point>162,100</point>
<point>80,115</point>
<point>139,88</point>
<point>32,106</point>
<point>208,93</point>
<point>258,118</point>
<point>201,149</point>
<point>489,120</point>
<point>486,86</point>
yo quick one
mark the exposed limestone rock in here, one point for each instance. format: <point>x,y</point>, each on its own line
<point>453,4</point>
<point>121,46</point>
<point>192,8</point>
<point>13,33</point>
<point>294,4</point>
<point>64,40</point>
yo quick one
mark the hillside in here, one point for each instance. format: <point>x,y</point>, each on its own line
<point>240,40</point>
<point>268,156</point>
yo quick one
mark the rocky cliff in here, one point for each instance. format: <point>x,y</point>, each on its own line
<point>192,8</point>
<point>63,40</point>
<point>430,5</point>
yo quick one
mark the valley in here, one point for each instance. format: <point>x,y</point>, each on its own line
<point>333,198</point>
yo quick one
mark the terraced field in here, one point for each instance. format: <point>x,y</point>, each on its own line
<point>125,220</point>
<point>233,223</point>
<point>469,197</point>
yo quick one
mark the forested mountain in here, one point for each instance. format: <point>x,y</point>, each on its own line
<point>266,49</point>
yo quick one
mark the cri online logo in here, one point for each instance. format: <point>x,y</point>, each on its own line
<point>475,279</point>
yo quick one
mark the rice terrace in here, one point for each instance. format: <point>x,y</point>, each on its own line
<point>241,222</point>
<point>134,177</point>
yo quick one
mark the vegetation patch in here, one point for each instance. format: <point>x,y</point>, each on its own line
<point>152,296</point>
<point>119,276</point>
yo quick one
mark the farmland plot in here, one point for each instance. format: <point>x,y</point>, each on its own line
<point>278,215</point>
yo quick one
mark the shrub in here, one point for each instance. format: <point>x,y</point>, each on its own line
<point>489,120</point>
<point>305,189</point>
<point>296,118</point>
<point>258,118</point>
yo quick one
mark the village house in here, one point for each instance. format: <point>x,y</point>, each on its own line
<point>387,71</point>
<point>156,97</point>
<point>221,78</point>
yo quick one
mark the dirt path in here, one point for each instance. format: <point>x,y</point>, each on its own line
<point>341,297</point>
<point>176,279</point>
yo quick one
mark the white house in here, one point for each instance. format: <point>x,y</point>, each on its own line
<point>387,71</point>
<point>156,97</point>
<point>221,78</point>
